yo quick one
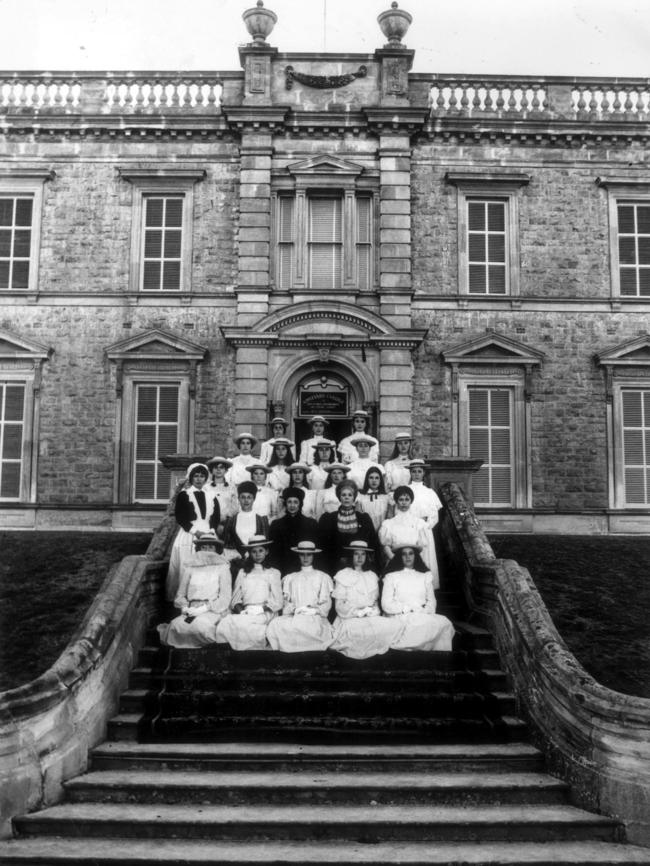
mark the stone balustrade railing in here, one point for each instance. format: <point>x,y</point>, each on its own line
<point>113,93</point>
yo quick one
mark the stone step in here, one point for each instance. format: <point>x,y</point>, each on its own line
<point>368,825</point>
<point>293,757</point>
<point>53,851</point>
<point>304,787</point>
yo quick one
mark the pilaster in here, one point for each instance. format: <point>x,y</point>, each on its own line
<point>395,228</point>
<point>254,227</point>
<point>395,395</point>
<point>251,385</point>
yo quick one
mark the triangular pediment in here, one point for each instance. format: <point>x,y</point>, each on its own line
<point>15,347</point>
<point>325,164</point>
<point>492,348</point>
<point>156,344</point>
<point>631,353</point>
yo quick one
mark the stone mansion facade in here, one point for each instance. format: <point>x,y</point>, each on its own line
<point>182,257</point>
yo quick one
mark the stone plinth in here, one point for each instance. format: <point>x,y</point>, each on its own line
<point>457,469</point>
<point>178,464</point>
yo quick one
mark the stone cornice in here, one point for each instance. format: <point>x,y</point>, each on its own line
<point>238,337</point>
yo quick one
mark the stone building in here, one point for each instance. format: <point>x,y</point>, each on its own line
<point>184,256</point>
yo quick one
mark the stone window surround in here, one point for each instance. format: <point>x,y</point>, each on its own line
<point>326,175</point>
<point>620,189</point>
<point>160,181</point>
<point>21,363</point>
<point>485,185</point>
<point>28,182</point>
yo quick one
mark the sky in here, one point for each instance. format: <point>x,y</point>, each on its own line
<point>527,37</point>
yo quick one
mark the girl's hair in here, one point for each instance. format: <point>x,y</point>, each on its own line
<point>249,565</point>
<point>330,459</point>
<point>367,566</point>
<point>305,481</point>
<point>395,453</point>
<point>274,457</point>
<point>382,486</point>
<point>366,423</point>
<point>397,563</point>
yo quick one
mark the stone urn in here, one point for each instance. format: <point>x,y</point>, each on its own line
<point>259,22</point>
<point>394,23</point>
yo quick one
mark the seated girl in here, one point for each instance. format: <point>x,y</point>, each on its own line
<point>408,598</point>
<point>256,599</point>
<point>203,596</point>
<point>360,631</point>
<point>307,593</point>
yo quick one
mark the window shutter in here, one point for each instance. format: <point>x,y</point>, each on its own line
<point>15,241</point>
<point>156,434</point>
<point>12,413</point>
<point>636,446</point>
<point>325,243</point>
<point>486,247</point>
<point>285,242</point>
<point>490,439</point>
<point>163,243</point>
<point>634,249</point>
<point>364,242</point>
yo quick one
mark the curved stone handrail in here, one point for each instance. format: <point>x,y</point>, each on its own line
<point>595,738</point>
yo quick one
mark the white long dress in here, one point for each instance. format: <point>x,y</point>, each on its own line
<point>397,472</point>
<point>238,472</point>
<point>183,546</point>
<point>360,631</point>
<point>297,630</point>
<point>205,587</point>
<point>328,500</point>
<point>258,589</point>
<point>307,450</point>
<point>377,506</point>
<point>266,502</point>
<point>406,528</point>
<point>426,503</point>
<point>408,598</point>
<point>279,478</point>
<point>226,496</point>
<point>349,452</point>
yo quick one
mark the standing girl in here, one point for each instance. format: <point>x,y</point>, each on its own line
<point>280,460</point>
<point>278,430</point>
<point>219,487</point>
<point>397,471</point>
<point>346,449</point>
<point>373,499</point>
<point>237,473</point>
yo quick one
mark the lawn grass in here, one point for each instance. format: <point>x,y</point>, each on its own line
<point>47,582</point>
<point>597,591</point>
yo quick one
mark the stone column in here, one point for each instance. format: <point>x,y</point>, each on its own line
<point>251,379</point>
<point>395,229</point>
<point>395,395</point>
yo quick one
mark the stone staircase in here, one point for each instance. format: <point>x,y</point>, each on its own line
<point>247,758</point>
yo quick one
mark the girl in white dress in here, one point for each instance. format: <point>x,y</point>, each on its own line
<point>324,456</point>
<point>408,597</point>
<point>425,500</point>
<point>327,498</point>
<point>278,431</point>
<point>317,424</point>
<point>373,499</point>
<point>203,596</point>
<point>363,462</point>
<point>360,631</point>
<point>226,494</point>
<point>347,450</point>
<point>307,595</point>
<point>266,500</point>
<point>196,511</point>
<point>407,528</point>
<point>256,600</point>
<point>237,472</point>
<point>279,463</point>
<point>397,465</point>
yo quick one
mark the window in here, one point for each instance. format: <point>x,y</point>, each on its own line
<point>634,248</point>
<point>21,196</point>
<point>491,440</point>
<point>161,237</point>
<point>325,226</point>
<point>635,416</point>
<point>12,435</point>
<point>157,419</point>
<point>488,232</point>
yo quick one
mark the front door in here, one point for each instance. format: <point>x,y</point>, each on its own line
<point>325,394</point>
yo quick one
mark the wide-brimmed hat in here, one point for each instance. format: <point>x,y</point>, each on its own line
<point>402,545</point>
<point>403,436</point>
<point>306,547</point>
<point>257,541</point>
<point>282,440</point>
<point>361,412</point>
<point>324,443</point>
<point>362,437</point>
<point>279,420</point>
<point>358,544</point>
<point>245,435</point>
<point>297,465</point>
<point>318,418</point>
<point>218,460</point>
<point>194,467</point>
<point>295,492</point>
<point>207,538</point>
<point>418,461</point>
<point>253,466</point>
<point>343,466</point>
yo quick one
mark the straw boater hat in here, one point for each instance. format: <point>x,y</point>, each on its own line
<point>253,466</point>
<point>207,538</point>
<point>402,545</point>
<point>245,435</point>
<point>279,420</point>
<point>362,437</point>
<point>359,544</point>
<point>417,462</point>
<point>306,469</point>
<point>323,443</point>
<point>218,460</point>
<point>403,436</point>
<point>343,466</point>
<point>306,547</point>
<point>361,412</point>
<point>256,541</point>
<point>282,440</point>
<point>318,418</point>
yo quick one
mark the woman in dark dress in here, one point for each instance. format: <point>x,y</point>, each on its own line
<point>286,532</point>
<point>338,528</point>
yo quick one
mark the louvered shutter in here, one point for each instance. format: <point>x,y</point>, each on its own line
<point>285,248</point>
<point>486,247</point>
<point>15,241</point>
<point>634,249</point>
<point>325,243</point>
<point>364,242</point>
<point>162,249</point>
<point>12,425</point>
<point>636,446</point>
<point>156,434</point>
<point>490,439</point>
